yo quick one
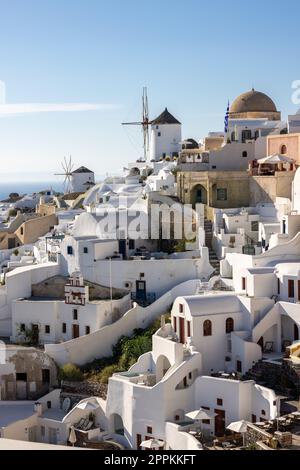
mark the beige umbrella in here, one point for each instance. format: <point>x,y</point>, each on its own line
<point>240,427</point>
<point>72,436</point>
<point>199,415</point>
<point>152,443</point>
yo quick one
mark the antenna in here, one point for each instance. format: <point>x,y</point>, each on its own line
<point>144,123</point>
<point>67,166</point>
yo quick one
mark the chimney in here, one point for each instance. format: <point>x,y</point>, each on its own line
<point>38,408</point>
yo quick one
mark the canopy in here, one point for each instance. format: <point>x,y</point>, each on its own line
<point>201,414</point>
<point>152,443</point>
<point>88,405</point>
<point>276,158</point>
<point>238,426</point>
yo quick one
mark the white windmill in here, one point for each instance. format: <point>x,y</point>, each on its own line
<point>67,166</point>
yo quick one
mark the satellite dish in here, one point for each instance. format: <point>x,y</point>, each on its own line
<point>66,405</point>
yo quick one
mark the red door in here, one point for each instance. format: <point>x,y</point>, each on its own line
<point>181,330</point>
<point>219,423</point>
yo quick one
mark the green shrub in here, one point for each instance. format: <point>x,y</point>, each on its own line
<point>107,372</point>
<point>70,372</point>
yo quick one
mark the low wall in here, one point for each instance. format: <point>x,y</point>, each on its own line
<point>100,343</point>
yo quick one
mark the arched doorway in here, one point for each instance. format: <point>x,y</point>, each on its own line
<point>199,195</point>
<point>116,422</point>
<point>162,367</point>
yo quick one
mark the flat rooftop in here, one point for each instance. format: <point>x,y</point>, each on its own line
<point>12,444</point>
<point>15,411</point>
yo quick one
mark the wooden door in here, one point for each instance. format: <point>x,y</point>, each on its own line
<point>299,291</point>
<point>181,330</point>
<point>75,331</point>
<point>219,423</point>
<point>138,441</point>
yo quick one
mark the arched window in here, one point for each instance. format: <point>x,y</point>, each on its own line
<point>245,154</point>
<point>229,325</point>
<point>283,150</point>
<point>207,328</point>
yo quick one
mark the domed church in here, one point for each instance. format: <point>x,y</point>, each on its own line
<point>254,105</point>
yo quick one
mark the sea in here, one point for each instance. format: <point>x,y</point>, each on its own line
<point>26,187</point>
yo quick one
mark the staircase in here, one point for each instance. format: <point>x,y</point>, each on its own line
<point>213,259</point>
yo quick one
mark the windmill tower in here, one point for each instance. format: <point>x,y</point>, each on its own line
<point>144,123</point>
<point>67,166</point>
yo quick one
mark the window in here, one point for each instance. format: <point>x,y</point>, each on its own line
<point>49,404</point>
<point>229,325</point>
<point>85,250</point>
<point>175,324</point>
<point>177,418</point>
<point>256,135</point>
<point>278,286</point>
<point>283,150</point>
<point>243,283</point>
<point>239,366</point>
<point>43,431</point>
<point>221,194</point>
<point>207,328</point>
<point>45,376</point>
<point>149,429</point>
<point>253,418</point>
<point>87,330</point>
<point>189,328</point>
<point>245,154</point>
<point>263,412</point>
<point>180,308</point>
<point>190,376</point>
<point>22,327</point>
<point>22,231</point>
<point>64,328</point>
<point>75,314</point>
<point>246,135</point>
<point>214,167</point>
<point>21,376</point>
<point>219,401</point>
<point>69,250</point>
<point>254,226</point>
<point>131,244</point>
<point>142,274</point>
<point>158,134</point>
<point>274,403</point>
<point>47,329</point>
<point>206,421</point>
<point>291,288</point>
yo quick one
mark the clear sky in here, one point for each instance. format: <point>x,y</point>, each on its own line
<point>193,56</point>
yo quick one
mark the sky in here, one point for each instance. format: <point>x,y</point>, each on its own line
<point>74,70</point>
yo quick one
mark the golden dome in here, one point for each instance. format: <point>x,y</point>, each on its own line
<point>253,102</point>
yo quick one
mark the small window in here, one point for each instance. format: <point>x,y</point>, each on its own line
<point>142,274</point>
<point>43,431</point>
<point>189,329</point>
<point>239,366</point>
<point>221,194</point>
<point>70,250</point>
<point>263,412</point>
<point>291,288</point>
<point>254,226</point>
<point>177,418</point>
<point>245,154</point>
<point>49,404</point>
<point>283,150</point>
<point>274,403</point>
<point>85,250</point>
<point>131,244</point>
<point>22,231</point>
<point>207,328</point>
<point>64,327</point>
<point>180,308</point>
<point>22,327</point>
<point>21,376</point>
<point>214,167</point>
<point>159,134</point>
<point>87,330</point>
<point>229,325</point>
<point>75,314</point>
<point>206,421</point>
<point>278,286</point>
<point>190,376</point>
<point>149,429</point>
<point>243,283</point>
<point>219,401</point>
<point>47,329</point>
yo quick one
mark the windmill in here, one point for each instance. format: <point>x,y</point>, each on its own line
<point>67,166</point>
<point>144,123</point>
